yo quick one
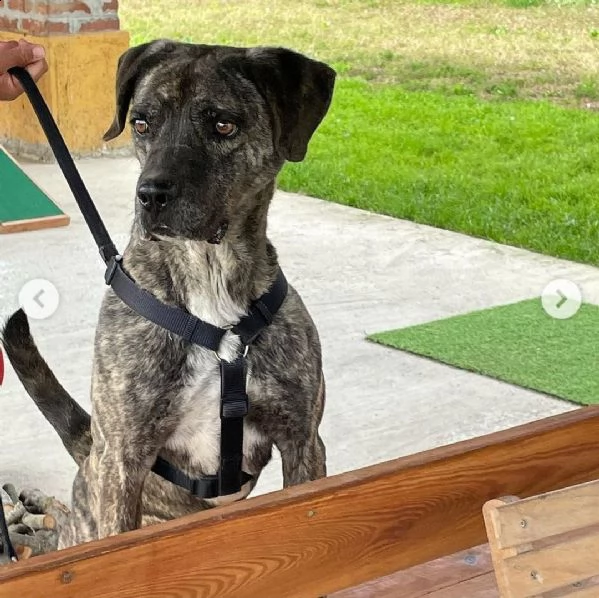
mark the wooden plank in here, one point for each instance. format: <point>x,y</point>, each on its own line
<point>422,580</point>
<point>590,592</point>
<point>549,514</point>
<point>493,527</point>
<point>326,535</point>
<point>589,588</point>
<point>482,586</point>
<point>20,226</point>
<point>552,567</point>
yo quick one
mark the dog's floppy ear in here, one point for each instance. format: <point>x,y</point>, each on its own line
<point>131,66</point>
<point>298,90</point>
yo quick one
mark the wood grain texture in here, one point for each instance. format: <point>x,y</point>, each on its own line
<point>429,579</point>
<point>482,586</point>
<point>326,535</point>
<point>553,567</point>
<point>590,592</point>
<point>498,555</point>
<point>549,514</point>
<point>542,544</point>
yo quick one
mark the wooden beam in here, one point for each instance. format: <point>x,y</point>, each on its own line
<point>20,226</point>
<point>327,535</point>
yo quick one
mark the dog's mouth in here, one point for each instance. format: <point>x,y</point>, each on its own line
<point>159,233</point>
<point>163,232</point>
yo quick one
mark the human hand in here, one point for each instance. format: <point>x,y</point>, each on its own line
<point>24,54</point>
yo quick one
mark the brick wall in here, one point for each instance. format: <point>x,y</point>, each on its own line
<point>52,17</point>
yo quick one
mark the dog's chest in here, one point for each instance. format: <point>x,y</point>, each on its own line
<point>198,431</point>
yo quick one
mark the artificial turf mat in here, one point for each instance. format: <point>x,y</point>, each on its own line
<point>517,343</point>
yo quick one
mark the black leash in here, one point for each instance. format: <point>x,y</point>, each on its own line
<point>234,399</point>
<point>65,161</point>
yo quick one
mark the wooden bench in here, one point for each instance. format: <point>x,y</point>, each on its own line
<point>385,526</point>
<point>546,545</point>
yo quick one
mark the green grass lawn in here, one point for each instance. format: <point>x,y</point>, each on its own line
<point>521,173</point>
<point>475,116</point>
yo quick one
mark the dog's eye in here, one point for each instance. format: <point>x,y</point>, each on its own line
<point>140,126</point>
<point>226,129</point>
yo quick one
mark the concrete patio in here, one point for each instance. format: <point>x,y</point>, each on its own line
<point>357,272</point>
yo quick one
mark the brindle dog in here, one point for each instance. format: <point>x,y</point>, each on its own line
<point>212,127</point>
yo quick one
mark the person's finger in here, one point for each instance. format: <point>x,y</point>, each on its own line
<point>23,54</point>
<point>37,69</point>
<point>10,88</point>
<point>8,45</point>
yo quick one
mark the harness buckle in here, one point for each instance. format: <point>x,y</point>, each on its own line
<point>237,405</point>
<point>205,487</point>
<point>111,268</point>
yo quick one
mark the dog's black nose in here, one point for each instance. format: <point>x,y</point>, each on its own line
<point>155,194</point>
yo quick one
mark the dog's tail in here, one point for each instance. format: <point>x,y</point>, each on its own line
<point>67,417</point>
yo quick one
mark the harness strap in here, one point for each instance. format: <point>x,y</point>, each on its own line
<point>178,321</point>
<point>204,487</point>
<point>234,407</point>
<point>234,399</point>
<point>262,311</point>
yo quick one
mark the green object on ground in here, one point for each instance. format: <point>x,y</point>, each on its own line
<point>23,205</point>
<point>20,197</point>
<point>517,343</point>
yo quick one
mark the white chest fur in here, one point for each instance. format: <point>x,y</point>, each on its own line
<point>198,431</point>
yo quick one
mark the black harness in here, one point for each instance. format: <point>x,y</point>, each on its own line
<point>234,403</point>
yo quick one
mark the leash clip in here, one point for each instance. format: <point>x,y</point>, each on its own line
<point>111,268</point>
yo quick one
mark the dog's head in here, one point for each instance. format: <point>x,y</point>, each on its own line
<point>212,126</point>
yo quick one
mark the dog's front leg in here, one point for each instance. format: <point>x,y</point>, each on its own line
<point>303,459</point>
<point>121,466</point>
<point>303,453</point>
<point>106,497</point>
<point>107,490</point>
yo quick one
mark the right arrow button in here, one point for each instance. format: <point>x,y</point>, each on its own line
<point>561,299</point>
